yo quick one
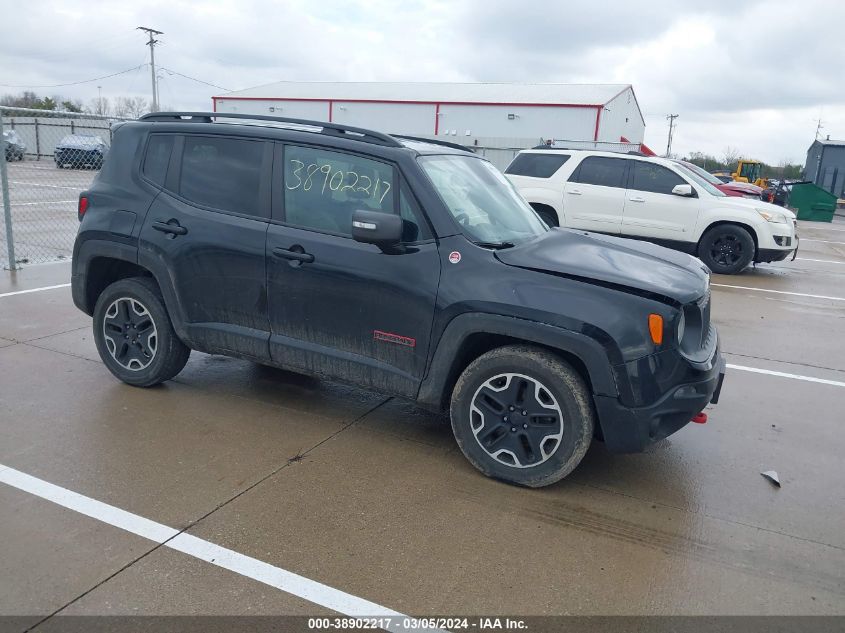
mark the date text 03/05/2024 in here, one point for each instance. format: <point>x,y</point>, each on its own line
<point>418,624</point>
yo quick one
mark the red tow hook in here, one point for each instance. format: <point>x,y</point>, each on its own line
<point>701,418</point>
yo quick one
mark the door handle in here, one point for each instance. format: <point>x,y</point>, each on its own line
<point>636,199</point>
<point>575,192</point>
<point>172,227</point>
<point>294,253</point>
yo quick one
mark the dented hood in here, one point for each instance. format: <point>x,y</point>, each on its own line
<point>612,260</point>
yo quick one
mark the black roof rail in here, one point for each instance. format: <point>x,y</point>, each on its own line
<point>331,129</point>
<point>434,142</point>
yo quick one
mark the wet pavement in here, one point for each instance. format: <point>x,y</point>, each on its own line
<point>369,495</point>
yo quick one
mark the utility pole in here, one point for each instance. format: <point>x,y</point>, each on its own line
<point>151,44</point>
<point>671,118</point>
<point>99,100</point>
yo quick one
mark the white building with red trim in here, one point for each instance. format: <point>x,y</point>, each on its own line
<point>495,116</point>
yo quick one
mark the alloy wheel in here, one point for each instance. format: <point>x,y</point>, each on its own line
<point>516,420</point>
<point>130,333</point>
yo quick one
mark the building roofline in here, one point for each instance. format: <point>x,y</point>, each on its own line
<point>419,102</point>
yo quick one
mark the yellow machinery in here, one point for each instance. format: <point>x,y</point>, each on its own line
<point>749,171</point>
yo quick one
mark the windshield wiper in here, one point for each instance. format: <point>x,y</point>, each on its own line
<point>494,244</point>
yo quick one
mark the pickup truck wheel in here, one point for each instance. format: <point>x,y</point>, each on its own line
<point>522,415</point>
<point>726,249</point>
<point>134,335</point>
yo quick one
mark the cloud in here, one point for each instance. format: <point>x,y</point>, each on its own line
<point>753,76</point>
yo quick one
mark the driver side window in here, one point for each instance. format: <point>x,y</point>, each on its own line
<point>323,188</point>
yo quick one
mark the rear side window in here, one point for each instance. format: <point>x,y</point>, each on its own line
<point>654,178</point>
<point>222,173</point>
<point>158,157</point>
<point>323,188</point>
<point>598,170</point>
<point>536,165</point>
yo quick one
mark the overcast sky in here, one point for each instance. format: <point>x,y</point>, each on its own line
<point>755,76</point>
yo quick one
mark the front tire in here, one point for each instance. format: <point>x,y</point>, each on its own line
<point>522,415</point>
<point>726,249</point>
<point>134,334</point>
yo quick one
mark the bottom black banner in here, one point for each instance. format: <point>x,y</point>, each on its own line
<point>533,624</point>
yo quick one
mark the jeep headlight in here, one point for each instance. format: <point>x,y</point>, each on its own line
<point>682,324</point>
<point>771,216</point>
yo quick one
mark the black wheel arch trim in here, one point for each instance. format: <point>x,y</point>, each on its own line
<point>442,369</point>
<point>88,250</point>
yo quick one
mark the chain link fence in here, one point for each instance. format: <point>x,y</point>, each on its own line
<point>50,157</point>
<point>47,159</point>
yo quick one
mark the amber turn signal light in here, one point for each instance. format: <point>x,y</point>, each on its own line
<point>655,328</point>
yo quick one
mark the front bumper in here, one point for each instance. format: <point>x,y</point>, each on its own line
<point>768,255</point>
<point>630,429</point>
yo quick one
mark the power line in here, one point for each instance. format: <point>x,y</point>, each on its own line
<point>173,72</point>
<point>76,83</point>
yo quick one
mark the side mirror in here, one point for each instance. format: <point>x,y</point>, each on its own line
<point>684,190</point>
<point>374,227</point>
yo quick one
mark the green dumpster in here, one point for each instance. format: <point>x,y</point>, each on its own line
<point>811,202</point>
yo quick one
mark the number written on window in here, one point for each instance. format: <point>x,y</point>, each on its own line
<point>320,178</point>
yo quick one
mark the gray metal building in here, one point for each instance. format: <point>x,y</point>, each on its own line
<point>825,166</point>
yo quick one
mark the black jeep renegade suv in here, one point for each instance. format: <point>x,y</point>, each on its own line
<point>402,265</point>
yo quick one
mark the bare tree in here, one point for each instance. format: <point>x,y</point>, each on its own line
<point>138,106</point>
<point>731,156</point>
<point>120,109</point>
<point>101,106</point>
<point>132,107</point>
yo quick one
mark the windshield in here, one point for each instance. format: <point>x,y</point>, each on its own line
<point>750,171</point>
<point>700,181</point>
<point>706,175</point>
<point>482,200</point>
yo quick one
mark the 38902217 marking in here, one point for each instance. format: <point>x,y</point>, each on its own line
<point>336,180</point>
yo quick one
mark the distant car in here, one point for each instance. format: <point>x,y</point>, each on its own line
<point>723,176</point>
<point>14,145</point>
<point>728,187</point>
<point>80,150</point>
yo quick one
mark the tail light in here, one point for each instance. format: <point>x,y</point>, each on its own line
<point>83,206</point>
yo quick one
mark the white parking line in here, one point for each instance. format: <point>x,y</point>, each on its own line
<point>38,184</point>
<point>821,261</point>
<point>757,370</point>
<point>29,204</point>
<point>819,228</point>
<point>781,292</point>
<point>289,582</point>
<point>807,239</point>
<point>23,292</point>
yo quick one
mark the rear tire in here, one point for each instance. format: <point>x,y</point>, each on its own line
<point>134,335</point>
<point>522,415</point>
<point>726,249</point>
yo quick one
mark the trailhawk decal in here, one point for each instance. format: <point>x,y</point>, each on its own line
<point>389,337</point>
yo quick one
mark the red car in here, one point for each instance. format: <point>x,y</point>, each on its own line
<point>732,188</point>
